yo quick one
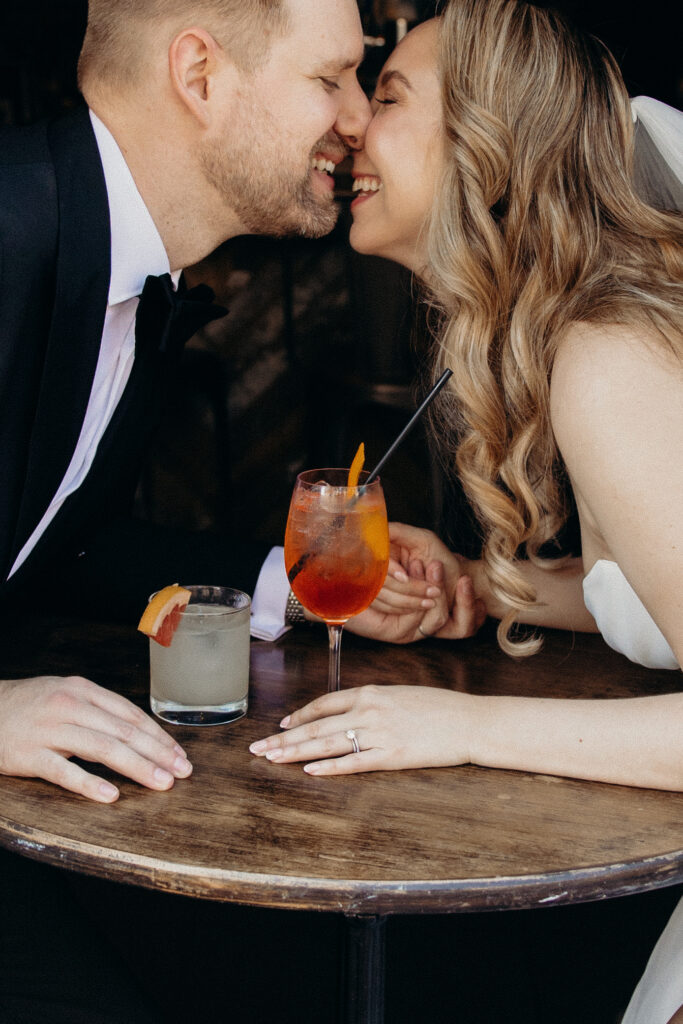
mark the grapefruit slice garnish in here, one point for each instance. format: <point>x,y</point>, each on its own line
<point>161,617</point>
<point>356,466</point>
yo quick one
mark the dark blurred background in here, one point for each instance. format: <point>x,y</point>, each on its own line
<point>322,347</point>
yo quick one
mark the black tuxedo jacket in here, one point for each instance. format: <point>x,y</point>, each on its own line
<point>54,282</point>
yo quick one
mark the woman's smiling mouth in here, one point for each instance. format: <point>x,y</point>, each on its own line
<point>367,185</point>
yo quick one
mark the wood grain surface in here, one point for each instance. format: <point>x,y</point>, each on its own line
<point>433,840</point>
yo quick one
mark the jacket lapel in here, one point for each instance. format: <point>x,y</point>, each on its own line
<point>82,286</point>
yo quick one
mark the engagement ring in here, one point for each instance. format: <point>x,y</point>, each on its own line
<point>350,735</point>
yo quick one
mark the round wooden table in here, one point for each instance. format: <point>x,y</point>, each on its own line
<point>443,840</point>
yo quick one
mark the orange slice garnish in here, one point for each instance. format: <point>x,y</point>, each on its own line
<point>376,535</point>
<point>356,466</point>
<point>161,617</point>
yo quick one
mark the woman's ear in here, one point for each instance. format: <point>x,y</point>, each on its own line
<point>195,60</point>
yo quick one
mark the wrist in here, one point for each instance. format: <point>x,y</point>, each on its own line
<point>471,714</point>
<point>296,614</point>
<point>475,568</point>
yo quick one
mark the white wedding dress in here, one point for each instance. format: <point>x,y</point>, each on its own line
<point>627,626</point>
<point>622,618</point>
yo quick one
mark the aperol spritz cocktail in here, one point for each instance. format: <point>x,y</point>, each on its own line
<point>336,549</point>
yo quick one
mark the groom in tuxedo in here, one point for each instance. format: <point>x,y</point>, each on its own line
<point>204,119</point>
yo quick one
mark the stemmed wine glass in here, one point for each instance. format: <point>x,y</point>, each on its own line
<point>336,550</point>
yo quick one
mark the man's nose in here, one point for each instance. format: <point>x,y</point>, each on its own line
<point>354,116</point>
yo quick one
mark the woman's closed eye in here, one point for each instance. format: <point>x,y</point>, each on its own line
<point>384,101</point>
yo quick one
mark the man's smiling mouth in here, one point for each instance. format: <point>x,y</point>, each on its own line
<point>321,163</point>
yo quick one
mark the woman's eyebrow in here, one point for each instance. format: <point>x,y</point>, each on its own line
<point>393,75</point>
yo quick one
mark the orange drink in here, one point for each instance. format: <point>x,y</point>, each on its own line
<point>336,547</point>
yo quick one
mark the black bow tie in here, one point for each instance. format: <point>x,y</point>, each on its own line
<point>166,318</point>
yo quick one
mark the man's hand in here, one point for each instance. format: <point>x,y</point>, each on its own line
<point>46,720</point>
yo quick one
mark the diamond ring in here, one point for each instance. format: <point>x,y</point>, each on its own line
<point>350,735</point>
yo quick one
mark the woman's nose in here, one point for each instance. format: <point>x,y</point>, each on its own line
<point>354,117</point>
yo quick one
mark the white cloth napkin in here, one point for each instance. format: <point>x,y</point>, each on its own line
<point>270,598</point>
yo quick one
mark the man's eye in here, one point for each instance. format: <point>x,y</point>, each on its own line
<point>330,84</point>
<point>385,102</point>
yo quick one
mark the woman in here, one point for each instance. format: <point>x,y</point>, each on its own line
<point>497,167</point>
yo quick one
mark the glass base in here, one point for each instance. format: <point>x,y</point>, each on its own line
<point>187,714</point>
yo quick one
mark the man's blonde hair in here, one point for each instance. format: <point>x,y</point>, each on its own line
<point>113,52</point>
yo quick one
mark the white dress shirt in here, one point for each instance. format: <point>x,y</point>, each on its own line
<point>137,251</point>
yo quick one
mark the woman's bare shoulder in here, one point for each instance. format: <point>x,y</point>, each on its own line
<point>600,367</point>
<point>587,347</point>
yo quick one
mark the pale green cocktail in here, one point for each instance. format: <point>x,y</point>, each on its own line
<point>203,677</point>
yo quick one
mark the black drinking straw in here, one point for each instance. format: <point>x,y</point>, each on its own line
<point>410,424</point>
<point>298,566</point>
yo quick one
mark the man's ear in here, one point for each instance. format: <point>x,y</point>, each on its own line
<point>195,59</point>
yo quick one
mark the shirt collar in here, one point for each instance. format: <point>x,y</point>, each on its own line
<point>136,246</point>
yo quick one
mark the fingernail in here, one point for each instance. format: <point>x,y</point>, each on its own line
<point>433,591</point>
<point>468,586</point>
<point>108,791</point>
<point>400,575</point>
<point>163,776</point>
<point>426,604</point>
<point>312,769</point>
<point>258,746</point>
<point>275,755</point>
<point>182,767</point>
<point>284,724</point>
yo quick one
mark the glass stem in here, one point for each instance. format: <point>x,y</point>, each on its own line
<point>334,632</point>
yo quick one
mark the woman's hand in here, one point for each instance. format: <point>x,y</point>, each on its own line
<point>428,592</point>
<point>394,726</point>
<point>408,608</point>
<point>46,720</point>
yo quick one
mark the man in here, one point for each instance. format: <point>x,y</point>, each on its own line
<point>206,120</point>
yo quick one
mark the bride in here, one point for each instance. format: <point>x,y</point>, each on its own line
<point>498,167</point>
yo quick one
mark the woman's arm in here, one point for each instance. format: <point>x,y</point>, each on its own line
<point>559,596</point>
<point>633,742</point>
<point>457,610</point>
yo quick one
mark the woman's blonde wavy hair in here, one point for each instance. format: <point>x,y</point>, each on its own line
<point>536,227</point>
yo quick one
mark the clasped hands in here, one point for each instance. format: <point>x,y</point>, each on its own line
<point>429,591</point>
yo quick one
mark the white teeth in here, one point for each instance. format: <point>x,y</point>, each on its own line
<point>319,164</point>
<point>366,185</point>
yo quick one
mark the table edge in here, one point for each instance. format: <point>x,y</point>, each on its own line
<point>352,897</point>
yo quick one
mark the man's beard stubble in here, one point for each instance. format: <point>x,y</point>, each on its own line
<point>267,198</point>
